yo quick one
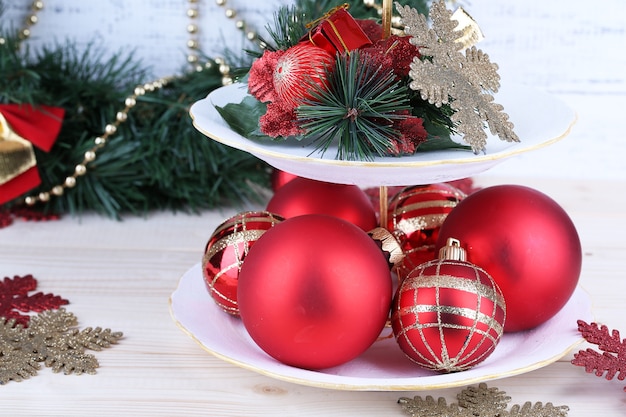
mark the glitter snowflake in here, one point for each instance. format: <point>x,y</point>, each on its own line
<point>14,298</point>
<point>480,401</point>
<point>52,339</point>
<point>612,360</point>
<point>447,75</point>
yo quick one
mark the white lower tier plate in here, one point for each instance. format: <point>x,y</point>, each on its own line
<point>540,119</point>
<point>383,367</point>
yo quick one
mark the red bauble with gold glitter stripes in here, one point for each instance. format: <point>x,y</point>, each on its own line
<point>448,314</point>
<point>225,252</point>
<point>415,215</point>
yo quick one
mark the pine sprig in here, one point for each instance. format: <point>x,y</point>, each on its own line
<point>357,109</point>
<point>288,27</point>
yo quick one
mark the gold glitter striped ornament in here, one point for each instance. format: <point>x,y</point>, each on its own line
<point>448,314</point>
<point>225,252</point>
<point>415,215</point>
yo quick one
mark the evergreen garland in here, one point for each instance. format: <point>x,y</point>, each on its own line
<point>156,159</point>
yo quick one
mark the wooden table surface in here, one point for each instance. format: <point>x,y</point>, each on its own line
<point>120,275</point>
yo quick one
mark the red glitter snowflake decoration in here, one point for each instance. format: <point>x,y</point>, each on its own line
<point>612,360</point>
<point>7,216</point>
<point>14,298</point>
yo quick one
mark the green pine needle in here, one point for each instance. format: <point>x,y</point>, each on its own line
<point>356,110</point>
<point>288,28</point>
<point>156,160</point>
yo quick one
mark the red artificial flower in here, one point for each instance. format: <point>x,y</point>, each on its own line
<point>394,54</point>
<point>261,76</point>
<point>412,133</point>
<point>279,120</point>
<point>373,30</point>
<point>402,53</point>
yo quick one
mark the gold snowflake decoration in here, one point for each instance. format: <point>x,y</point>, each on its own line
<point>480,401</point>
<point>52,339</point>
<point>446,75</point>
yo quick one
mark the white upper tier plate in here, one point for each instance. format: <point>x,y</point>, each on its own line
<point>383,367</point>
<point>540,119</point>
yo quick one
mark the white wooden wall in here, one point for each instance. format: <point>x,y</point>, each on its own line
<point>574,49</point>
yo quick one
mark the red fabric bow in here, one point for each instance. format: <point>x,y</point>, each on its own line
<point>40,126</point>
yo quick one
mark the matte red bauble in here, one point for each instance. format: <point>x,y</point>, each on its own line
<point>304,196</point>
<point>415,215</point>
<point>314,292</point>
<point>280,178</point>
<point>225,251</point>
<point>526,242</point>
<point>448,314</point>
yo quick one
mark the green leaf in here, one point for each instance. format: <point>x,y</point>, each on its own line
<point>439,143</point>
<point>243,117</point>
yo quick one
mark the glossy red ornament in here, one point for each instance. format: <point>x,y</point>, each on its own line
<point>526,242</point>
<point>448,314</point>
<point>280,178</point>
<point>226,250</point>
<point>305,196</point>
<point>314,292</point>
<point>415,215</point>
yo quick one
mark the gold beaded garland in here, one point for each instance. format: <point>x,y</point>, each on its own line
<point>121,116</point>
<point>90,155</point>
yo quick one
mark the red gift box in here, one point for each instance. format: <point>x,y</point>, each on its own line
<point>338,32</point>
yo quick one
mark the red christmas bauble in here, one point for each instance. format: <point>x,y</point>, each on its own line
<point>280,178</point>
<point>305,196</point>
<point>300,66</point>
<point>415,215</point>
<point>526,242</point>
<point>448,314</point>
<point>225,252</point>
<point>314,292</point>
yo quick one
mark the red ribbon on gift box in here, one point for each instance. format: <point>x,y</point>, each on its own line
<point>21,127</point>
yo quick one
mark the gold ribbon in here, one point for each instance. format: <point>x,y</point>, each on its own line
<point>327,15</point>
<point>468,27</point>
<point>16,153</point>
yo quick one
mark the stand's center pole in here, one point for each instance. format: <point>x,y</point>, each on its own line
<point>383,204</point>
<point>387,4</point>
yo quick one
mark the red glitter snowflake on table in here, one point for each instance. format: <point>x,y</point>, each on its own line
<point>7,216</point>
<point>15,298</point>
<point>612,360</point>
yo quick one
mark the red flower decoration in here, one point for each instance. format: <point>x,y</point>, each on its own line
<point>261,76</point>
<point>279,121</point>
<point>394,54</point>
<point>412,133</point>
<point>14,298</point>
<point>613,358</point>
<point>371,28</point>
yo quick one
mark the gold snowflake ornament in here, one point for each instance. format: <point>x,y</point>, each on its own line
<point>480,401</point>
<point>52,339</point>
<point>447,75</point>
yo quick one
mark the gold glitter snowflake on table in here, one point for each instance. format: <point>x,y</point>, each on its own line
<point>480,401</point>
<point>52,339</point>
<point>444,74</point>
